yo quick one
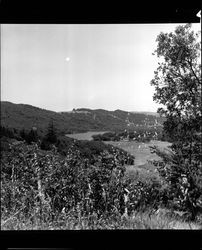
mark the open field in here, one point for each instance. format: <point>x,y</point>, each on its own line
<point>85,136</point>
<point>140,150</point>
<point>142,169</point>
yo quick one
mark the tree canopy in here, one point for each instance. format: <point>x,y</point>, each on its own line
<point>177,83</point>
<point>177,79</point>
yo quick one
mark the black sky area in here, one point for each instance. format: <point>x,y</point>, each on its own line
<point>99,12</point>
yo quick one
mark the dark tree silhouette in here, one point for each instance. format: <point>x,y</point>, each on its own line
<point>50,137</point>
<point>7,132</point>
<point>32,136</point>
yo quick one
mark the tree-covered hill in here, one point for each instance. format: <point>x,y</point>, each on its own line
<point>25,116</point>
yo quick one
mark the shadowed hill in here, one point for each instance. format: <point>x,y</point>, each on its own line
<point>79,120</point>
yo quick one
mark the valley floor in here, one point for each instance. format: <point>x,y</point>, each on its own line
<point>140,150</point>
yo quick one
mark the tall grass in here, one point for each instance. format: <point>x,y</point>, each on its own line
<point>138,220</point>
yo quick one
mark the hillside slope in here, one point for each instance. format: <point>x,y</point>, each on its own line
<point>78,120</point>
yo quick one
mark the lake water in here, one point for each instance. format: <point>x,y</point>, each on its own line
<point>85,136</point>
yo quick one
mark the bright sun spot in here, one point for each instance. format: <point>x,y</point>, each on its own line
<point>67,59</point>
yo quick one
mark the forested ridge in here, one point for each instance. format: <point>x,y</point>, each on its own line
<point>21,116</point>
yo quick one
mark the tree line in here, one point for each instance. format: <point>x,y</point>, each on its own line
<point>30,136</point>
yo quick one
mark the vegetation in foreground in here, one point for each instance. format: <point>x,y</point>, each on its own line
<point>139,220</point>
<point>45,190</point>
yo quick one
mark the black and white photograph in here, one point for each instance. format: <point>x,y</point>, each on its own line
<point>101,126</point>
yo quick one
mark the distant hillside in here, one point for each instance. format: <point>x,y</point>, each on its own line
<point>146,113</point>
<point>26,116</point>
<point>78,120</point>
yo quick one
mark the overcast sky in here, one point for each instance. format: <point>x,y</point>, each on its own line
<point>61,67</point>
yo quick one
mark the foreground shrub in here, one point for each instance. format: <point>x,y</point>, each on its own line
<point>184,182</point>
<point>44,182</point>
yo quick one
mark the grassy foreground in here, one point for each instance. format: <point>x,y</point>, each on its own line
<point>139,220</point>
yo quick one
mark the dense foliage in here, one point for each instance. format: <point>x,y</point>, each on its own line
<point>177,84</point>
<point>6,132</point>
<point>43,184</point>
<point>87,149</point>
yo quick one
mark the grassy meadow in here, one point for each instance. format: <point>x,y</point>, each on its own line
<point>140,150</point>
